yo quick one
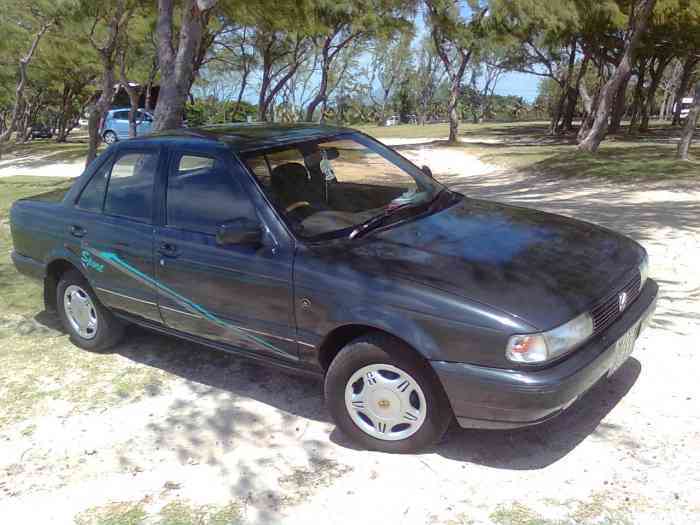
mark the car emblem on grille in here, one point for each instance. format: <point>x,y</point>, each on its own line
<point>622,300</point>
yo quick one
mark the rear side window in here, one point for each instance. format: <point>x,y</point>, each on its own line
<point>203,193</point>
<point>130,188</point>
<point>121,115</point>
<point>93,194</point>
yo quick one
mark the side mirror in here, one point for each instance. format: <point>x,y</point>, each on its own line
<point>427,171</point>
<point>239,231</point>
<point>331,153</point>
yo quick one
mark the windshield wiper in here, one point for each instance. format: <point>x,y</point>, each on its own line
<point>378,220</point>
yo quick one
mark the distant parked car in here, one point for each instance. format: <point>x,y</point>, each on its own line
<point>686,104</point>
<point>39,131</point>
<point>394,120</point>
<point>116,125</point>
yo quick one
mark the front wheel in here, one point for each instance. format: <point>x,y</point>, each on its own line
<point>385,397</point>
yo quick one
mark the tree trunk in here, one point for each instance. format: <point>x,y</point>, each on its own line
<point>177,63</point>
<point>566,94</point>
<point>589,103</point>
<point>270,89</point>
<point>148,94</point>
<point>101,107</point>
<point>264,85</point>
<point>24,62</point>
<point>619,107</point>
<point>637,26</point>
<point>321,95</point>
<point>638,97</point>
<point>648,107</point>
<point>558,109</point>
<point>133,93</point>
<point>688,67</point>
<point>452,111</point>
<point>63,117</point>
<point>323,85</point>
<point>689,127</point>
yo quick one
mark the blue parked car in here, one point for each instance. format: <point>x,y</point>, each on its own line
<point>116,125</point>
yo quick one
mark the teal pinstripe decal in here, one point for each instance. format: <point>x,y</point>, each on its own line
<point>115,261</point>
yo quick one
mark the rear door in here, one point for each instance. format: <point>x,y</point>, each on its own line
<point>145,123</point>
<point>238,295</point>
<point>120,124</point>
<point>112,231</point>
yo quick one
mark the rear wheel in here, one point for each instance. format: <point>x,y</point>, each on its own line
<point>110,137</point>
<point>90,325</point>
<point>385,397</point>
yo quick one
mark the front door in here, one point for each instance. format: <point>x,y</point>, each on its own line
<point>113,232</point>
<point>238,295</point>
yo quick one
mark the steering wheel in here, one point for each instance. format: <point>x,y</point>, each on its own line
<point>296,205</point>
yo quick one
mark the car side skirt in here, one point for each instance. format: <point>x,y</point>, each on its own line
<point>292,367</point>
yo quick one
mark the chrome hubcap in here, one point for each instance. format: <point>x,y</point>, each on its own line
<point>385,402</point>
<point>109,138</point>
<point>80,311</point>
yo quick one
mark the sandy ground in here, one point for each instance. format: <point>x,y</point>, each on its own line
<point>40,166</point>
<point>222,430</point>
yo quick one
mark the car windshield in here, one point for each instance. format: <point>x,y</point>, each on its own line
<point>330,187</point>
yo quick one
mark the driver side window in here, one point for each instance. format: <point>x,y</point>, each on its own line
<point>203,193</point>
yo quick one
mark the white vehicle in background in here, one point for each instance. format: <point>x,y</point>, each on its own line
<point>686,104</point>
<point>394,120</point>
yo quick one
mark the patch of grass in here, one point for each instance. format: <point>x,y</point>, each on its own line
<point>39,369</point>
<point>526,146</point>
<point>174,513</point>
<point>38,364</point>
<point>615,161</point>
<point>28,430</point>
<point>442,130</point>
<point>601,508</point>
<point>20,295</point>
<point>519,514</point>
<point>122,513</point>
<point>321,472</point>
<point>48,150</point>
<point>134,382</point>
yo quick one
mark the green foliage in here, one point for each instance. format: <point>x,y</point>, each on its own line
<point>213,111</point>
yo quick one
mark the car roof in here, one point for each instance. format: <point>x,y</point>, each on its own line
<point>252,136</point>
<point>112,110</point>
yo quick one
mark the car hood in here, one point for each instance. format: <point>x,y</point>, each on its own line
<point>543,268</point>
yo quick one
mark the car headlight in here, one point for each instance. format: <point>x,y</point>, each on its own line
<point>545,346</point>
<point>644,270</point>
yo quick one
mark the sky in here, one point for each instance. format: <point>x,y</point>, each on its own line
<point>511,83</point>
<point>519,84</point>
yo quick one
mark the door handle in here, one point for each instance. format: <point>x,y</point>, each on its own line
<point>167,248</point>
<point>77,231</point>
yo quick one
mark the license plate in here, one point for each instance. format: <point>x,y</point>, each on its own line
<point>623,348</point>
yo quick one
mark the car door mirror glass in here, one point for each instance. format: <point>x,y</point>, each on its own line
<point>330,153</point>
<point>427,171</point>
<point>239,231</point>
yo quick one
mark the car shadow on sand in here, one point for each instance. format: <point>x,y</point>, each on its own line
<point>208,370</point>
<point>535,447</point>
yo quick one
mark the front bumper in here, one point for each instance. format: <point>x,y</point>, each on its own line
<point>483,397</point>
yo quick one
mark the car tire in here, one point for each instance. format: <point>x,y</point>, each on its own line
<point>109,137</point>
<point>89,324</point>
<point>404,385</point>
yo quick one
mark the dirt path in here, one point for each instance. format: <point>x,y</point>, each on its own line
<point>218,433</point>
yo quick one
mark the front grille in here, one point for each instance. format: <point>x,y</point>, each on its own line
<point>605,312</point>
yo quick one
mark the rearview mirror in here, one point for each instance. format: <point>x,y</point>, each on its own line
<point>427,171</point>
<point>239,231</point>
